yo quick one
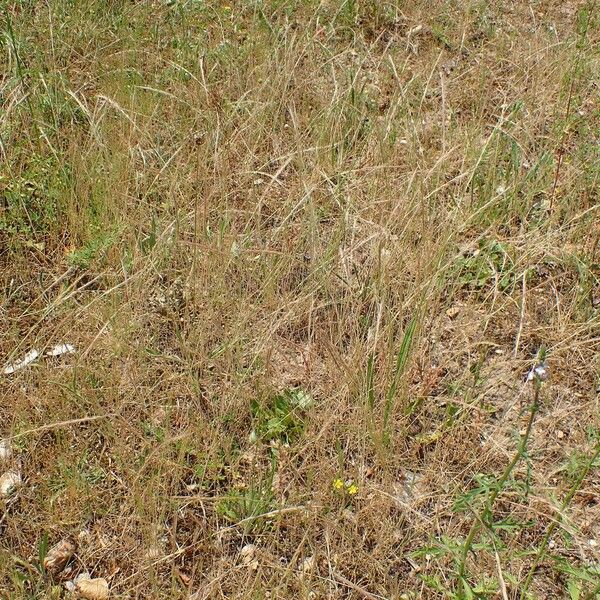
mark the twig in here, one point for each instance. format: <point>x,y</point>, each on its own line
<point>60,424</point>
<point>353,586</point>
<point>500,576</point>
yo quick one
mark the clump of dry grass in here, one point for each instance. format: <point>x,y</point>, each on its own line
<point>298,243</point>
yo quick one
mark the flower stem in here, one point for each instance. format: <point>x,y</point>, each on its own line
<point>488,510</point>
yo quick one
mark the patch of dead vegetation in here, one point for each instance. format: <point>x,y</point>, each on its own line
<point>255,203</point>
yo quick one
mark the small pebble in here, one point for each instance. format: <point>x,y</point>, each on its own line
<point>5,450</point>
<point>247,554</point>
<point>307,565</point>
<point>93,589</point>
<point>9,482</point>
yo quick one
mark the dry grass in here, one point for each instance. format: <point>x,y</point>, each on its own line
<point>236,214</point>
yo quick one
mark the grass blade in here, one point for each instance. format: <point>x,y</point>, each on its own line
<point>401,361</point>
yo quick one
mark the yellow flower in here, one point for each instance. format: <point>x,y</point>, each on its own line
<point>338,484</point>
<point>352,489</point>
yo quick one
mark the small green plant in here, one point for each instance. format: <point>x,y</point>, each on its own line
<point>42,551</point>
<point>93,249</point>
<point>31,204</point>
<point>477,495</point>
<point>577,461</point>
<point>148,241</point>
<point>579,578</point>
<point>282,417</point>
<point>399,367</point>
<point>153,431</point>
<point>447,547</point>
<point>210,472</point>
<point>248,505</point>
<point>81,475</point>
<point>490,263</point>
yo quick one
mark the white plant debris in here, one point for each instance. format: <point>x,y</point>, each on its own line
<point>31,356</point>
<point>61,349</point>
<point>92,589</point>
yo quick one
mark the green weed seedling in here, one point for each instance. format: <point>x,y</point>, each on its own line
<point>491,262</point>
<point>282,417</point>
<point>248,505</point>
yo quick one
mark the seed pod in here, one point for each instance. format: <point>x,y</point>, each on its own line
<point>93,589</point>
<point>9,482</point>
<point>58,556</point>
